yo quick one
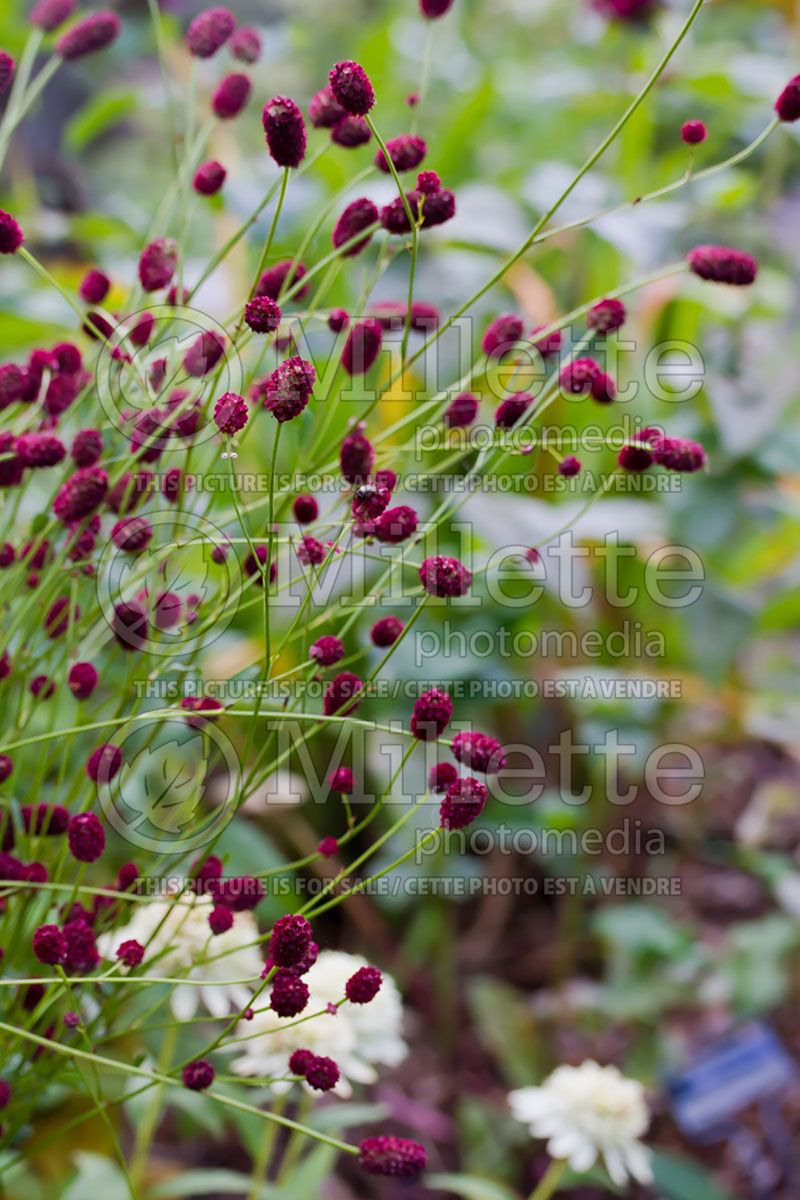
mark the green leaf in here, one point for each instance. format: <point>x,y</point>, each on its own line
<point>343,1116</point>
<point>309,1175</point>
<point>471,1187</point>
<point>211,1183</point>
<point>97,1175</point>
<point>99,114</point>
<point>679,1179</point>
<point>507,1026</point>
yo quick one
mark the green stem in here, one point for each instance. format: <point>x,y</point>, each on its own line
<point>549,1182</point>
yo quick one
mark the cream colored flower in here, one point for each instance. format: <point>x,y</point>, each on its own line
<point>178,942</point>
<point>589,1112</point>
<point>358,1037</point>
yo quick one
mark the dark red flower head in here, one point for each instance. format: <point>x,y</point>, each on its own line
<point>364,985</point>
<point>606,316</point>
<point>254,565</point>
<point>431,715</point>
<point>220,919</point>
<point>262,314</point>
<point>157,264</point>
<point>287,390</point>
<point>351,87</point>
<point>305,509</point>
<point>678,454</point>
<point>89,35</point>
<point>569,466</point>
<point>311,552</point>
<point>502,334</point>
<point>59,616</point>
<point>104,762</point>
<point>356,456</point>
<point>432,9</point>
<point>42,687</point>
<point>81,494</point>
<point>299,1060</point>
<point>49,14</point>
<point>280,278</point>
<point>342,694</point>
<point>40,450</point>
<point>325,111</point>
<point>510,410</point>
<point>230,413</point>
<point>444,576</point>
<point>441,775</point>
<point>351,132</point>
<point>82,680</point>
<point>396,525</point>
<point>94,287</point>
<point>358,216</point>
<point>461,411</point>
<point>246,45</point>
<point>694,132</point>
<point>479,751</point>
<point>67,358</point>
<point>342,781</point>
<point>370,501</point>
<point>787,106</point>
<point>392,1156</point>
<point>209,31</point>
<point>129,625</point>
<point>289,994</point>
<point>285,130</point>
<point>385,632</point>
<point>428,209</point>
<point>625,10</point>
<point>86,837</point>
<point>406,152</point>
<point>231,96</point>
<point>428,182</point>
<point>209,178</point>
<point>634,458</point>
<point>290,939</point>
<point>130,952</point>
<point>321,1073</point>
<point>240,893</point>
<point>578,376</point>
<point>12,384</point>
<point>202,357</point>
<point>49,945</point>
<point>82,954</point>
<point>362,347</point>
<point>723,264</point>
<point>463,803</point>
<point>11,236</point>
<point>327,650</point>
<point>198,1075</point>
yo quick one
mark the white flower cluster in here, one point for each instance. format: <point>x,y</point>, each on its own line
<point>178,943</point>
<point>358,1037</point>
<point>589,1112</point>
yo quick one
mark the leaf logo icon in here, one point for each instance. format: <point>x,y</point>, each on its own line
<point>168,786</point>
